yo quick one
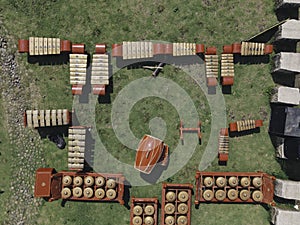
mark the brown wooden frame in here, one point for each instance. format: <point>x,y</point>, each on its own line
<point>267,187</point>
<point>49,185</point>
<point>143,202</point>
<point>176,188</point>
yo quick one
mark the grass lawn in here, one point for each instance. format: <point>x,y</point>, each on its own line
<point>5,157</point>
<point>214,23</point>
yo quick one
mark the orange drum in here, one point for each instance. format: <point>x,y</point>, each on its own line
<point>158,49</point>
<point>78,48</point>
<point>117,50</point>
<point>100,48</point>
<point>211,51</point>
<point>212,81</point>
<point>236,48</point>
<point>169,49</point>
<point>77,89</point>
<point>226,81</point>
<point>25,119</point>
<point>23,45</point>
<point>227,49</point>
<point>99,89</point>
<point>233,127</point>
<point>268,49</point>
<point>65,46</point>
<point>258,123</point>
<point>200,48</point>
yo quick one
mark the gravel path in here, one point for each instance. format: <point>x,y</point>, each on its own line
<point>27,153</point>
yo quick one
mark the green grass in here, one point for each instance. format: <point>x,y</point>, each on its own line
<point>147,109</point>
<point>5,158</point>
<point>214,23</point>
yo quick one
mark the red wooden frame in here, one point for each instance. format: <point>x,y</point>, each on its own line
<point>235,48</point>
<point>266,188</point>
<point>49,185</point>
<point>233,125</point>
<point>211,81</point>
<point>176,188</point>
<point>100,48</point>
<point>223,156</point>
<point>78,48</point>
<point>182,129</point>
<point>143,202</point>
<point>158,49</point>
<point>23,46</point>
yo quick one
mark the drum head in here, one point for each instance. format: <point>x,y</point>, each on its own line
<point>111,183</point>
<point>169,220</point>
<point>182,220</point>
<point>67,180</point>
<point>170,196</point>
<point>137,210</point>
<point>111,194</point>
<point>169,208</point>
<point>149,210</point>
<point>100,193</point>
<point>220,195</point>
<point>182,208</point>
<point>208,181</point>
<point>232,194</point>
<point>233,181</point>
<point>221,182</point>
<point>65,193</point>
<point>88,192</point>
<point>208,195</point>
<point>245,195</point>
<point>77,181</point>
<point>245,181</point>
<point>149,220</point>
<point>100,181</point>
<point>257,196</point>
<point>89,181</point>
<point>257,182</point>
<point>137,220</point>
<point>183,196</point>
<point>77,192</point>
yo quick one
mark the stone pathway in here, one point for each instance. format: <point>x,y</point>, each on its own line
<point>22,207</point>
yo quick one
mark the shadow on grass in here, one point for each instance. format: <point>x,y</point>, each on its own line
<point>227,90</point>
<point>284,201</point>
<point>222,163</point>
<point>287,13</point>
<point>291,168</point>
<point>127,187</point>
<point>44,132</point>
<point>275,140</point>
<point>265,36</point>
<point>155,174</point>
<point>285,46</point>
<point>86,90</point>
<point>89,152</point>
<point>46,60</point>
<point>258,59</point>
<point>286,79</point>
<point>244,133</point>
<point>264,205</point>
<point>106,99</point>
<point>109,89</point>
